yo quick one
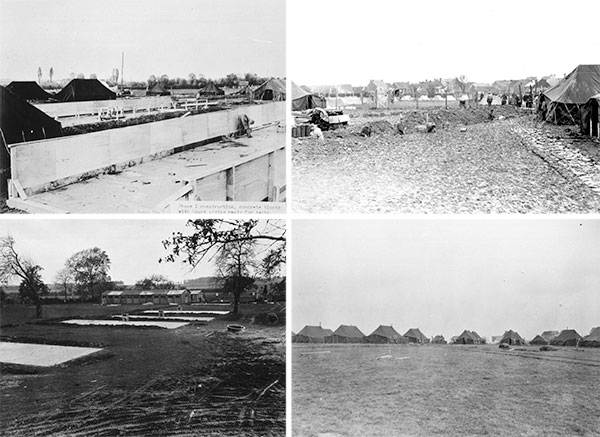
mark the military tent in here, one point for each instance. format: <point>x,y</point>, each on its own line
<point>478,338</point>
<point>302,100</point>
<point>385,334</point>
<point>210,89</point>
<point>157,90</point>
<point>346,334</point>
<point>84,90</point>
<point>272,89</point>
<point>538,340</point>
<point>468,337</point>
<point>312,334</point>
<point>590,117</point>
<point>549,335</point>
<point>592,339</point>
<point>513,338</point>
<point>562,103</point>
<point>28,91</point>
<point>20,121</point>
<point>414,335</point>
<point>567,337</point>
<point>439,339</point>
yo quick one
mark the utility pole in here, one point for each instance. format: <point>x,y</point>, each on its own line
<point>122,64</point>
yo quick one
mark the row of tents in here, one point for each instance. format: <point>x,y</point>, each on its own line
<point>388,335</point>
<point>81,90</point>
<point>574,100</point>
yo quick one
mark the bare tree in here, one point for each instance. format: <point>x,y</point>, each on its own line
<point>14,265</point>
<point>64,277</point>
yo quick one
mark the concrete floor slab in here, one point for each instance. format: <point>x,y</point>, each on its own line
<point>141,188</point>
<point>41,354</point>
<point>166,325</point>
<point>189,318</point>
<point>188,312</point>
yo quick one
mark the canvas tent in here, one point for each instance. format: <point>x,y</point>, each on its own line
<point>385,334</point>
<point>28,91</point>
<point>592,339</point>
<point>302,100</point>
<point>511,337</point>
<point>539,340</point>
<point>414,335</point>
<point>567,337</point>
<point>562,103</point>
<point>468,337</point>
<point>20,121</point>
<point>590,117</point>
<point>210,89</point>
<point>157,90</point>
<point>346,334</point>
<point>312,334</point>
<point>549,335</point>
<point>272,89</point>
<point>84,90</point>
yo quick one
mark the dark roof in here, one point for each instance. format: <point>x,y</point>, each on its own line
<point>210,89</point>
<point>538,339</point>
<point>566,335</point>
<point>157,90</point>
<point>349,331</point>
<point>594,335</point>
<point>272,89</point>
<point>28,90</point>
<point>549,335</point>
<point>415,333</point>
<point>512,337</point>
<point>207,283</point>
<point>386,331</point>
<point>315,332</point>
<point>19,118</point>
<point>581,84</point>
<point>83,90</point>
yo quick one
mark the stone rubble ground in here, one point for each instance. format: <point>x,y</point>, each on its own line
<point>510,165</point>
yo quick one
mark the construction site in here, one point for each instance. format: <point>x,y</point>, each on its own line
<point>83,150</point>
<point>523,146</point>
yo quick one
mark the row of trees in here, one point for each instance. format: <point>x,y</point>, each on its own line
<point>87,269</point>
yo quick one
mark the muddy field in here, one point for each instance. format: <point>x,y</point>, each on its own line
<point>444,390</point>
<point>469,164</point>
<point>146,381</point>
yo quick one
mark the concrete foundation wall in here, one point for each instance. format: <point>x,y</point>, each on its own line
<point>70,109</point>
<point>45,164</point>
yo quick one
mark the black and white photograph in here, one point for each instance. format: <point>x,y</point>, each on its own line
<point>142,106</point>
<point>445,327</point>
<point>448,107</point>
<point>143,327</point>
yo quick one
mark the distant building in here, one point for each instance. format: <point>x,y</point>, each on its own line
<point>143,297</point>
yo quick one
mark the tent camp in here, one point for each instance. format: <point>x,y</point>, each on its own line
<point>592,339</point>
<point>302,100</point>
<point>414,335</point>
<point>210,89</point>
<point>29,91</point>
<point>84,90</point>
<point>19,122</point>
<point>468,337</point>
<point>346,334</point>
<point>157,90</point>
<point>385,334</point>
<point>590,117</point>
<point>567,337</point>
<point>562,103</point>
<point>272,89</point>
<point>539,340</point>
<point>511,337</point>
<point>549,335</point>
<point>439,339</point>
<point>312,334</point>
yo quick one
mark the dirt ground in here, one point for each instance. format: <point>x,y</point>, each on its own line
<point>512,164</point>
<point>196,379</point>
<point>444,390</point>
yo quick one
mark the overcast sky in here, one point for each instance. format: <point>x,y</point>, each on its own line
<point>178,37</point>
<point>444,276</point>
<point>133,246</point>
<point>353,41</point>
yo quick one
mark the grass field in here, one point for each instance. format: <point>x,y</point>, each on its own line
<point>444,390</point>
<point>146,381</point>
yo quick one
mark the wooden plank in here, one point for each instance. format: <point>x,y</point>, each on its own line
<point>20,191</point>
<point>173,197</point>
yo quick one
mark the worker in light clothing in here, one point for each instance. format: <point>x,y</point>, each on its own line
<point>244,125</point>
